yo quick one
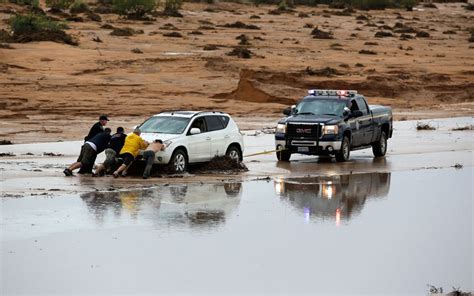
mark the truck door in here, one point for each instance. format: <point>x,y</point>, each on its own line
<point>356,127</point>
<point>366,122</point>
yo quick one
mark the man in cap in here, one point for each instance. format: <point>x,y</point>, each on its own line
<point>97,128</point>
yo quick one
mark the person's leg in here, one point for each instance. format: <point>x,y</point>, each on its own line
<point>127,161</point>
<point>76,165</point>
<point>108,163</point>
<point>149,157</point>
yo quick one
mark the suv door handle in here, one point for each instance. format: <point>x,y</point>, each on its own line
<point>226,136</point>
<point>208,138</point>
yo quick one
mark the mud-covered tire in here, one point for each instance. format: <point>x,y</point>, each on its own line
<point>178,163</point>
<point>345,152</point>
<point>234,152</point>
<point>379,148</point>
<point>283,155</point>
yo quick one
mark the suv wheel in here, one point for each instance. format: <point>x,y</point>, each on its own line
<point>283,155</point>
<point>234,153</point>
<point>178,163</point>
<point>379,148</point>
<point>345,152</point>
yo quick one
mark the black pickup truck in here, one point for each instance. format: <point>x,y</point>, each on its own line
<point>333,122</point>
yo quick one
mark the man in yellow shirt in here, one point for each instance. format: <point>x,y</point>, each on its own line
<point>133,143</point>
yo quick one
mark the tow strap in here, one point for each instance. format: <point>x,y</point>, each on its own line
<point>265,152</point>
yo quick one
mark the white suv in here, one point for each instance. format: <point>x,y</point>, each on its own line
<point>193,137</point>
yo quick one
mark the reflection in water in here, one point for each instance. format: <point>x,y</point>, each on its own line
<point>335,197</point>
<point>174,205</point>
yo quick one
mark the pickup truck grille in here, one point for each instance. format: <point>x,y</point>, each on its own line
<point>302,130</point>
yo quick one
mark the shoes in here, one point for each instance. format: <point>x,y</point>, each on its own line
<point>145,177</point>
<point>67,172</point>
<point>95,175</point>
<point>115,175</point>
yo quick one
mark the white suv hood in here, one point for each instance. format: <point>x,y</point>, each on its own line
<point>150,137</point>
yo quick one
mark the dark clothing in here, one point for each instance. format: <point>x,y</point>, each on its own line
<point>149,157</point>
<point>127,158</point>
<point>97,128</point>
<point>101,141</point>
<point>116,142</point>
<point>87,158</point>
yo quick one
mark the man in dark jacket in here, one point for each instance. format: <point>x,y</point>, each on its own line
<point>97,128</point>
<point>115,145</point>
<point>89,152</point>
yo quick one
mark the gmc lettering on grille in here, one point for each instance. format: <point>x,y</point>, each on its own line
<point>303,130</point>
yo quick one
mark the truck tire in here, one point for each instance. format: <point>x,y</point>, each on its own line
<point>379,148</point>
<point>283,155</point>
<point>345,152</point>
<point>178,163</point>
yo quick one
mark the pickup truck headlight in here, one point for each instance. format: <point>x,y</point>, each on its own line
<point>330,130</point>
<point>281,128</point>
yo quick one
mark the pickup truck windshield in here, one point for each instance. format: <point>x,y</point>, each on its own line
<point>321,107</point>
<point>165,125</point>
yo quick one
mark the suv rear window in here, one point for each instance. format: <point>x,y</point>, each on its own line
<point>214,123</point>
<point>225,120</point>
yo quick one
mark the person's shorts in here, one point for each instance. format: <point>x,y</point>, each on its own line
<point>87,155</point>
<point>110,160</point>
<point>127,158</point>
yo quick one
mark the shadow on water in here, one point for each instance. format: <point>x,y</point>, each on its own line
<point>337,197</point>
<point>172,205</point>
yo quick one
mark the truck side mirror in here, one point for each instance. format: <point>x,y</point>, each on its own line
<point>287,111</point>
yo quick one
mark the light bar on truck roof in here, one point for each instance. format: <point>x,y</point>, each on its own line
<point>331,92</point>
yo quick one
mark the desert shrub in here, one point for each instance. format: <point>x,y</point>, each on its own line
<point>24,24</point>
<point>172,7</point>
<point>371,4</point>
<point>134,7</point>
<point>59,4</point>
<point>408,4</point>
<point>34,3</point>
<point>79,6</point>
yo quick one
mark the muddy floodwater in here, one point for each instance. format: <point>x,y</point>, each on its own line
<point>378,233</point>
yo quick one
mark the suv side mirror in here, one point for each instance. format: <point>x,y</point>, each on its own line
<point>195,131</point>
<point>356,113</point>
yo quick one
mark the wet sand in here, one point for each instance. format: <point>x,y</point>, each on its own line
<point>53,91</point>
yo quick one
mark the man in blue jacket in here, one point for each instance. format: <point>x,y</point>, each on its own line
<point>89,152</point>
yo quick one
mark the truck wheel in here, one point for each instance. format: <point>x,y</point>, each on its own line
<point>345,152</point>
<point>178,163</point>
<point>379,148</point>
<point>283,155</point>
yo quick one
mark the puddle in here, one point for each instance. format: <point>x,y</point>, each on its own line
<point>373,233</point>
<point>332,197</point>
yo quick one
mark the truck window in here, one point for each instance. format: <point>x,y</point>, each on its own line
<point>362,105</point>
<point>354,106</point>
<point>214,123</point>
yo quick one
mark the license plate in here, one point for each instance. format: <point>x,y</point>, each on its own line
<point>303,149</point>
